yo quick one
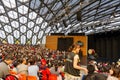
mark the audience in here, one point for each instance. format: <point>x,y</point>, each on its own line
<point>34,60</point>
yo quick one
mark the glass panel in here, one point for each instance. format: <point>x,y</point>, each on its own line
<point>2,9</point>
<point>48,1</point>
<point>23,9</point>
<point>10,39</point>
<point>48,30</point>
<point>57,6</point>
<point>4,19</point>
<point>43,10</point>
<point>39,20</point>
<point>0,25</point>
<point>43,25</point>
<point>32,15</point>
<point>30,24</point>
<point>40,34</point>
<point>15,24</point>
<point>29,34</point>
<point>8,28</point>
<point>23,0</point>
<point>23,29</point>
<point>2,34</point>
<point>9,3</point>
<point>12,14</point>
<point>44,40</point>
<point>34,38</point>
<point>36,29</point>
<point>23,39</point>
<point>16,34</point>
<point>23,20</point>
<point>35,4</point>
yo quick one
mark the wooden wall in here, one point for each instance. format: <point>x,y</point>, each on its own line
<point>51,42</point>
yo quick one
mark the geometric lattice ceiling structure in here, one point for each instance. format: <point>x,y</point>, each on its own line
<point>29,21</point>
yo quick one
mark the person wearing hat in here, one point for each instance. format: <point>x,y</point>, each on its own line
<point>4,69</point>
<point>72,69</point>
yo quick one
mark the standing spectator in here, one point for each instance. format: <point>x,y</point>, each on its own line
<point>72,69</point>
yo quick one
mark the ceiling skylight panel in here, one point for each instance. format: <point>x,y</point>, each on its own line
<point>2,34</point>
<point>23,20</point>
<point>9,3</point>
<point>39,20</point>
<point>43,25</point>
<point>73,2</point>
<point>57,6</point>
<point>48,1</point>
<point>16,34</point>
<point>40,34</point>
<point>0,25</point>
<point>44,40</point>
<point>93,5</point>
<point>43,10</point>
<point>49,16</point>
<point>10,39</point>
<point>110,4</point>
<point>23,9</point>
<point>104,1</point>
<point>2,9</point>
<point>23,0</point>
<point>36,29</point>
<point>107,11</point>
<point>23,39</point>
<point>29,34</point>
<point>90,13</point>
<point>12,14</point>
<point>30,24</point>
<point>34,4</point>
<point>8,28</point>
<point>32,15</point>
<point>48,30</point>
<point>34,38</point>
<point>4,19</point>
<point>23,29</point>
<point>15,24</point>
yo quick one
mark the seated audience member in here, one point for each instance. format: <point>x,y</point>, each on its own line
<point>23,68</point>
<point>4,69</point>
<point>55,70</point>
<point>92,75</point>
<point>113,74</point>
<point>33,69</point>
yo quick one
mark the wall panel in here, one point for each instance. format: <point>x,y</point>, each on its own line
<point>51,42</point>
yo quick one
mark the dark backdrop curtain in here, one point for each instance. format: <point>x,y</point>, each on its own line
<point>106,45</point>
<point>64,43</point>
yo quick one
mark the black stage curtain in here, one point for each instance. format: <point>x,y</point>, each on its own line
<point>64,43</point>
<point>106,45</point>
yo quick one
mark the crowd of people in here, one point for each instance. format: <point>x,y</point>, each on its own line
<point>39,63</point>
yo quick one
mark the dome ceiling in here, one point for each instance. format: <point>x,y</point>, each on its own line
<point>29,21</point>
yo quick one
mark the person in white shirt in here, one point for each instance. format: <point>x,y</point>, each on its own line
<point>33,69</point>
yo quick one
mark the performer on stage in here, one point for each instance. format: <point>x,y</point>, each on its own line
<point>72,69</point>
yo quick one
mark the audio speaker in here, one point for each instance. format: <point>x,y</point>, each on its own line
<point>79,17</point>
<point>64,23</point>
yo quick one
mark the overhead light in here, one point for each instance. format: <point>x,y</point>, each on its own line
<point>115,24</point>
<point>89,32</point>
